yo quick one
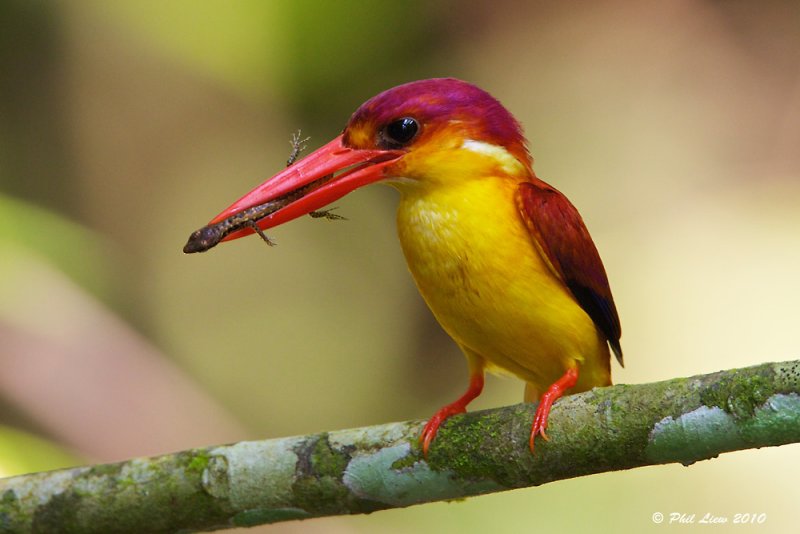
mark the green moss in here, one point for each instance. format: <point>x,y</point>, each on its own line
<point>494,445</point>
<point>405,462</point>
<point>10,514</point>
<point>472,447</point>
<point>174,485</point>
<point>199,462</point>
<point>318,483</point>
<point>324,495</point>
<point>325,461</point>
<point>103,470</point>
<point>101,499</point>
<point>739,394</point>
<point>58,514</point>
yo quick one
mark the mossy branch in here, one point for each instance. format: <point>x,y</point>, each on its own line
<point>368,469</point>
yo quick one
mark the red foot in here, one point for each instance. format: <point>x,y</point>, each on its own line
<point>457,407</point>
<point>555,391</point>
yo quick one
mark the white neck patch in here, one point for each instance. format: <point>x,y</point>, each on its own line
<point>503,157</point>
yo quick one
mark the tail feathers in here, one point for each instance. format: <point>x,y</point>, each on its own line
<point>616,348</point>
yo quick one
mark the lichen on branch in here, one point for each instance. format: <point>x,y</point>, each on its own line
<point>367,469</point>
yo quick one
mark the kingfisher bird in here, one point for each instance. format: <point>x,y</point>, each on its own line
<point>502,259</point>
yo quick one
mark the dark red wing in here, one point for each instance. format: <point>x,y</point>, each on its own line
<point>560,232</point>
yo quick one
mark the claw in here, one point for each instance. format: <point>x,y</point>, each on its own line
<point>327,214</point>
<point>298,145</point>
<point>260,232</point>
<point>555,391</point>
<point>454,408</point>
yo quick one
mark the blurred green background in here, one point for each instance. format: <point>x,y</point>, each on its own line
<point>673,126</point>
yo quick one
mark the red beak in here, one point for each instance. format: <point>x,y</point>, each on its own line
<point>325,175</point>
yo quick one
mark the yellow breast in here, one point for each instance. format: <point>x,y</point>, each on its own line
<point>476,267</point>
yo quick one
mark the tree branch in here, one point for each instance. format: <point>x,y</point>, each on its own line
<point>368,469</point>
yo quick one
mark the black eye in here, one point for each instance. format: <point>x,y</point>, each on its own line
<point>400,132</point>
